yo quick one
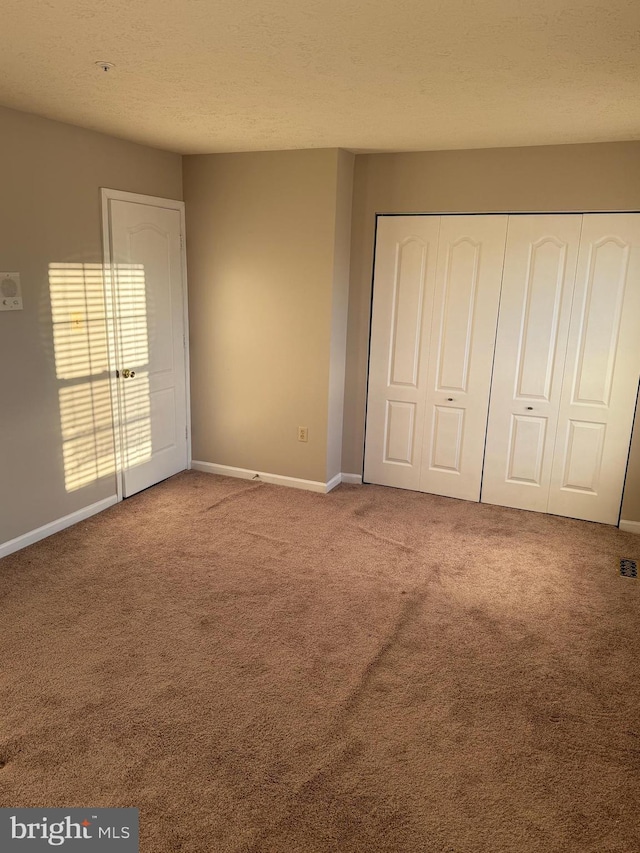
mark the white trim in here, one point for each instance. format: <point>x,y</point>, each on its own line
<point>55,526</point>
<point>354,479</point>
<point>185,328</point>
<point>630,526</point>
<point>108,195</point>
<point>264,477</point>
<point>333,482</point>
<point>138,198</point>
<point>111,322</point>
<point>542,211</point>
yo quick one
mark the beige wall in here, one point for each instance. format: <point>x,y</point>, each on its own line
<point>554,178</point>
<point>50,175</point>
<point>263,283</point>
<point>268,250</point>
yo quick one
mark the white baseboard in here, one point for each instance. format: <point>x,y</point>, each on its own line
<point>264,477</point>
<point>276,479</point>
<point>354,479</point>
<point>630,526</point>
<point>333,482</point>
<point>54,526</point>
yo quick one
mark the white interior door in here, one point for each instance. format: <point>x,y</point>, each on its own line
<point>403,288</point>
<point>531,344</point>
<point>601,375</point>
<point>148,295</point>
<point>460,349</point>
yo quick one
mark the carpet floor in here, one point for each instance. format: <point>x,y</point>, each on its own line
<point>264,670</point>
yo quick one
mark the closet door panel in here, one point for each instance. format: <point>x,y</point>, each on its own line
<point>467,293</point>
<point>404,277</point>
<point>535,310</point>
<point>602,368</point>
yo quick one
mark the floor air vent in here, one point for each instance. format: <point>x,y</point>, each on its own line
<point>629,568</point>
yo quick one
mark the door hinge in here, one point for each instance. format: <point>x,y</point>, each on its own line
<point>186,432</point>
<point>182,241</point>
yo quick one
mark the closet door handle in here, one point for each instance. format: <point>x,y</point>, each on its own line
<point>449,399</point>
<point>529,408</point>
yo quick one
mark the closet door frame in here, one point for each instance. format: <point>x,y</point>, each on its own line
<point>440,213</point>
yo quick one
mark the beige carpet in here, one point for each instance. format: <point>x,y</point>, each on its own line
<point>264,670</point>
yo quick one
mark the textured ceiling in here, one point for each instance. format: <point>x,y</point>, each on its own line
<point>384,75</point>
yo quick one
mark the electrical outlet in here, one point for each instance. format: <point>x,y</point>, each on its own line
<point>303,433</point>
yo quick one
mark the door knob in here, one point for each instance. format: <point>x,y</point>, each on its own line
<point>529,408</point>
<point>449,399</point>
<point>128,374</point>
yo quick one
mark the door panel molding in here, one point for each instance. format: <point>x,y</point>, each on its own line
<point>538,387</point>
<point>457,316</point>
<point>409,274</point>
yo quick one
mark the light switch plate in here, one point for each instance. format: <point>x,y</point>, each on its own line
<point>10,291</point>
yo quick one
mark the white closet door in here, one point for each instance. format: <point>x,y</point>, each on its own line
<point>535,309</point>
<point>467,293</point>
<point>602,368</point>
<point>405,268</point>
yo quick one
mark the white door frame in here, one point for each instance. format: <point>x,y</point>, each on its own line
<point>108,195</point>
